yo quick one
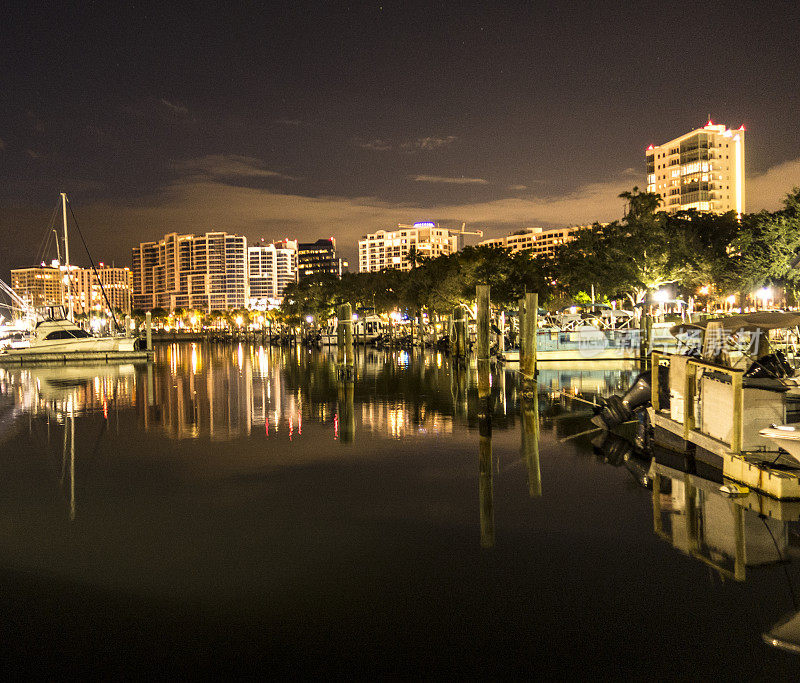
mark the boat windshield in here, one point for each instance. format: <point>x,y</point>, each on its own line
<point>68,334</point>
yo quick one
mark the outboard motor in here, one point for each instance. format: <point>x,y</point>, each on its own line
<point>772,365</point>
<point>621,409</point>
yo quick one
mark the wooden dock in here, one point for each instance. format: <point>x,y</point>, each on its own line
<point>769,472</point>
<point>24,359</point>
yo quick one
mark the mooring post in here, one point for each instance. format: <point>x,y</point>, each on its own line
<point>645,335</point>
<point>346,311</point>
<point>521,331</point>
<point>482,293</point>
<point>339,338</point>
<point>127,326</point>
<point>501,338</point>
<point>148,327</point>
<point>528,364</point>
<point>458,314</point>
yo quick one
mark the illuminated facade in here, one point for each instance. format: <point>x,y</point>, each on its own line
<point>702,170</point>
<point>206,272</point>
<point>318,258</point>
<point>539,241</point>
<point>271,268</point>
<point>88,295</point>
<point>390,248</point>
<point>39,286</point>
<point>46,286</point>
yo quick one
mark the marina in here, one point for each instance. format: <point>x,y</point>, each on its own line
<point>130,486</point>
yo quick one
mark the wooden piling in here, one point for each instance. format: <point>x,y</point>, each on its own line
<point>459,333</point>
<point>482,294</point>
<point>127,326</point>
<point>521,335</point>
<point>148,326</point>
<point>528,361</point>
<point>348,336</point>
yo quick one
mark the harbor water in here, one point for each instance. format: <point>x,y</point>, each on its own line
<point>235,508</point>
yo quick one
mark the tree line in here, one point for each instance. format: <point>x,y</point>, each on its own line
<point>625,260</point>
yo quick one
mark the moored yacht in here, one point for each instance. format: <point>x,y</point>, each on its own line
<point>59,335</point>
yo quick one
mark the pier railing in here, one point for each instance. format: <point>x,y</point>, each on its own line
<point>690,389</point>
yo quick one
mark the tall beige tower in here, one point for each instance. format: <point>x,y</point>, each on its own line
<point>702,170</point>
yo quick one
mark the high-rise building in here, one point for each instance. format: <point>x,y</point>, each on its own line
<point>43,285</point>
<point>271,268</point>
<point>390,248</point>
<point>88,295</point>
<point>39,286</point>
<point>207,272</point>
<point>702,170</point>
<point>539,241</point>
<point>318,258</point>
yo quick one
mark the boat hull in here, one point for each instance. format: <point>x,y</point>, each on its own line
<point>79,346</point>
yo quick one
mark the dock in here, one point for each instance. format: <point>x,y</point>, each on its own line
<point>23,359</point>
<point>745,456</point>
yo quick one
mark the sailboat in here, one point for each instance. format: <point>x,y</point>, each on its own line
<point>58,334</point>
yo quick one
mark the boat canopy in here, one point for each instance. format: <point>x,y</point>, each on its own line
<point>749,322</point>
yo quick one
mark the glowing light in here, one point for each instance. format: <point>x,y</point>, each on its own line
<point>765,293</point>
<point>731,299</point>
<point>355,316</point>
<point>425,224</point>
<point>650,148</point>
<point>661,296</point>
<point>703,290</point>
<point>239,320</point>
<point>309,318</point>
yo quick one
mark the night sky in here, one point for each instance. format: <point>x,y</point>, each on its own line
<point>309,120</point>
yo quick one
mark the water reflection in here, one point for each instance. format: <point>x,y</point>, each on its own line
<point>727,534</point>
<point>263,454</point>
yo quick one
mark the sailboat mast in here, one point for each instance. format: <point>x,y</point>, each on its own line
<point>66,253</point>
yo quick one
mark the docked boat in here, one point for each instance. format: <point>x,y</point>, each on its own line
<point>61,336</point>
<point>725,394</point>
<point>366,330</point>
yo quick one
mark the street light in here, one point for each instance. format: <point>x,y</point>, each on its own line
<point>661,296</point>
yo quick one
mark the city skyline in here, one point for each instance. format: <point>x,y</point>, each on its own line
<point>315,121</point>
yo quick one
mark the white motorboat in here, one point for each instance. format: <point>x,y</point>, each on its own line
<point>786,437</point>
<point>62,336</point>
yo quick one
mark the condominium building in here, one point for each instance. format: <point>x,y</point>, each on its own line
<point>46,285</point>
<point>39,286</point>
<point>390,248</point>
<point>271,268</point>
<point>116,290</point>
<point>207,272</point>
<point>318,258</point>
<point>539,241</point>
<point>702,170</point>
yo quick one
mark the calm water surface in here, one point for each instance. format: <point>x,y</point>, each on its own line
<point>235,508</point>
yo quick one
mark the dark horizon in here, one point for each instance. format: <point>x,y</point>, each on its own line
<point>309,120</point>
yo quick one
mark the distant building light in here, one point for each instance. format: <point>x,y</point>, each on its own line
<point>425,224</point>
